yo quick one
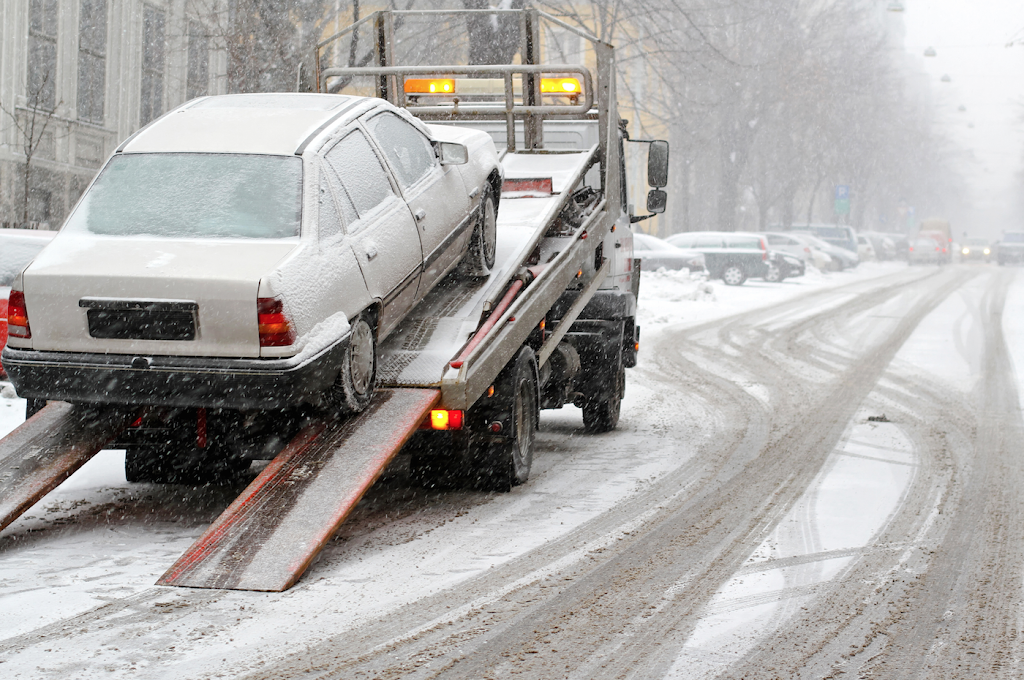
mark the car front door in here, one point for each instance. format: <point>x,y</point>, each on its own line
<point>436,194</point>
<point>382,231</point>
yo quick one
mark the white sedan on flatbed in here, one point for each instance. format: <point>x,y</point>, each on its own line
<point>249,252</point>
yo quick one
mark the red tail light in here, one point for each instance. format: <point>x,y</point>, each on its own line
<point>443,419</point>
<point>275,328</point>
<point>17,316</point>
<point>764,248</point>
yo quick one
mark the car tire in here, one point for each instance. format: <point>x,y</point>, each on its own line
<point>34,406</point>
<point>774,274</point>
<point>479,258</point>
<point>357,378</point>
<point>505,461</point>
<point>734,275</point>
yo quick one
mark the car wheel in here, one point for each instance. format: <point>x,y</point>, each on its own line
<point>479,259</point>
<point>733,275</point>
<point>506,461</point>
<point>358,376</point>
<point>774,274</point>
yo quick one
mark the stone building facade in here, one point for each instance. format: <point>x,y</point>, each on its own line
<point>79,76</point>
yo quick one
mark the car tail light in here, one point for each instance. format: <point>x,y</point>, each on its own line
<point>275,328</point>
<point>442,419</point>
<point>806,249</point>
<point>764,249</point>
<point>17,316</point>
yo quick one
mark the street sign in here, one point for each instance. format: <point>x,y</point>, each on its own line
<point>842,199</point>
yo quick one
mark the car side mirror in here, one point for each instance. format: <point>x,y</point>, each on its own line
<point>657,164</point>
<point>656,201</point>
<point>451,153</point>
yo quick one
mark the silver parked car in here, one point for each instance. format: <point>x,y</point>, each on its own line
<point>250,251</point>
<point>655,253</point>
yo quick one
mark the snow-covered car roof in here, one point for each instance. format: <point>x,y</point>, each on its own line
<point>273,123</point>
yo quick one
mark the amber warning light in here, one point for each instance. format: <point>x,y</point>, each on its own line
<point>560,86</point>
<point>429,85</point>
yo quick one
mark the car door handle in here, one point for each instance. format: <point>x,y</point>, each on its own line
<point>420,215</point>
<point>371,249</point>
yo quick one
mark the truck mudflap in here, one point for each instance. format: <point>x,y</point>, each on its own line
<point>270,534</point>
<point>47,449</point>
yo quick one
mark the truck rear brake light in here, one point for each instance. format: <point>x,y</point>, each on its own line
<point>274,327</point>
<point>17,316</point>
<point>442,419</point>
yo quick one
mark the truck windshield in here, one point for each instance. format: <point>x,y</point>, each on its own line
<point>191,195</point>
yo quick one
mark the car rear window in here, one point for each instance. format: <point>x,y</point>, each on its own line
<point>192,195</point>
<point>15,253</point>
<point>751,242</point>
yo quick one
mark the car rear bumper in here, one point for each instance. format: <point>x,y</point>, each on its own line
<point>173,380</point>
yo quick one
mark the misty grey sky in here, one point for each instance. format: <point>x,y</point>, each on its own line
<point>987,78</point>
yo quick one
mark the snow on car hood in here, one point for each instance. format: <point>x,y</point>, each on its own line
<point>221,276</point>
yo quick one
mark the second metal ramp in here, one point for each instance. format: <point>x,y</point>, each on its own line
<point>270,534</point>
<point>47,448</point>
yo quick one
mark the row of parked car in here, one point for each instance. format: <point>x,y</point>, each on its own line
<point>735,257</point>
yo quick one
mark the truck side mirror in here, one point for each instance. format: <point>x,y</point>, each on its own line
<point>656,201</point>
<point>657,164</point>
<point>451,153</point>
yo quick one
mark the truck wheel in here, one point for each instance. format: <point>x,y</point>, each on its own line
<point>601,414</point>
<point>507,460</point>
<point>733,275</point>
<point>482,246</point>
<point>169,464</point>
<point>354,387</point>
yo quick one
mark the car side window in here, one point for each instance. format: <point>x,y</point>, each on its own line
<point>409,153</point>
<point>359,171</point>
<point>330,218</point>
<point>709,242</point>
<point>683,242</point>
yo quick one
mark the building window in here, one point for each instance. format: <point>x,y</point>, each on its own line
<point>42,54</point>
<point>92,59</point>
<point>152,99</point>
<point>198,81</point>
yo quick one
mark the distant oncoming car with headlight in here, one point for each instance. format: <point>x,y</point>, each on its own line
<point>975,250</point>
<point>250,251</point>
<point>655,253</point>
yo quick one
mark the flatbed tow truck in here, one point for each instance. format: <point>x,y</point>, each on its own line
<point>463,380</point>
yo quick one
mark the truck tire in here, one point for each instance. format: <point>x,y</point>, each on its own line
<point>734,275</point>
<point>357,378</point>
<point>504,462</point>
<point>170,464</point>
<point>601,413</point>
<point>479,259</point>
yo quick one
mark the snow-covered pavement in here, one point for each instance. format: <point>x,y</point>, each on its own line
<point>76,583</point>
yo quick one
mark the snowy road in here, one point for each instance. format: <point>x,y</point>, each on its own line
<point>809,479</point>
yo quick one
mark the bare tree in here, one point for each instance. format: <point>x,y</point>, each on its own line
<point>31,130</point>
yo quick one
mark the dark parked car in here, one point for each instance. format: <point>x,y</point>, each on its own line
<point>732,257</point>
<point>1010,248</point>
<point>783,266</point>
<point>655,253</point>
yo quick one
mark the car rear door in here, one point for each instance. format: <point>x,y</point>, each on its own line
<point>380,227</point>
<point>436,194</point>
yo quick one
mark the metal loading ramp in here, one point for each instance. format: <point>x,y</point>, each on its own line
<point>47,449</point>
<point>270,534</point>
